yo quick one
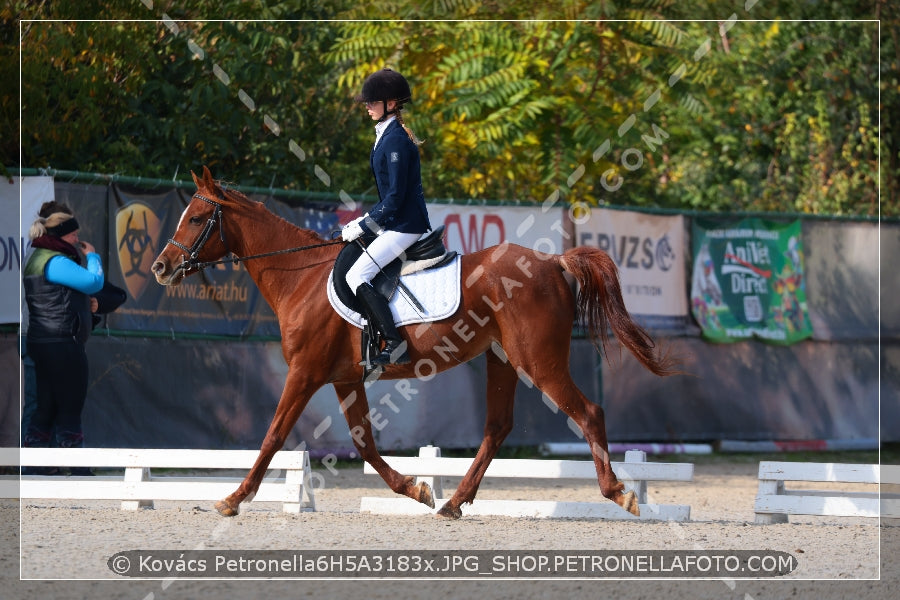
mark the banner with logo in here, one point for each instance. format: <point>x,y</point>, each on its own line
<point>473,228</point>
<point>35,191</point>
<point>221,300</point>
<point>649,251</point>
<point>749,281</point>
<point>14,243</point>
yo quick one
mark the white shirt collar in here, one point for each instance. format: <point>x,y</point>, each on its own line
<point>380,127</point>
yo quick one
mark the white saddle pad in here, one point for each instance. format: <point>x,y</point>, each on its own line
<point>437,290</point>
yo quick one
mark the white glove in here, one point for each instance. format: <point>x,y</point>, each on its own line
<point>352,230</point>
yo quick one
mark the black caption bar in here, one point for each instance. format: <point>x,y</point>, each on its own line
<point>487,564</point>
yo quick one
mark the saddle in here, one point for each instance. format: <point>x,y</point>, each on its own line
<point>427,253</point>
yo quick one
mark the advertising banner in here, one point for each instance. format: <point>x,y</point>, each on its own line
<point>35,191</point>
<point>473,228</point>
<point>749,281</point>
<point>221,300</point>
<point>649,251</point>
<point>14,243</point>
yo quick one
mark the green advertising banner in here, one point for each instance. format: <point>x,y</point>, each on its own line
<point>748,281</point>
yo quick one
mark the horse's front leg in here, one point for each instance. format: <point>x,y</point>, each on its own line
<point>298,389</point>
<point>355,407</point>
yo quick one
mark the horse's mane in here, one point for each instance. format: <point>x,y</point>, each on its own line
<point>235,194</point>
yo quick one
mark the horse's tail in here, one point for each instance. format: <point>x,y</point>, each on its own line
<point>600,305</point>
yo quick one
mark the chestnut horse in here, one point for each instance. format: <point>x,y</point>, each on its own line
<point>517,308</point>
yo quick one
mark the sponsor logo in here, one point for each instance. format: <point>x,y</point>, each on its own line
<point>137,236</point>
<point>475,234</point>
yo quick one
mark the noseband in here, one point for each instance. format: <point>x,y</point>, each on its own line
<point>190,260</point>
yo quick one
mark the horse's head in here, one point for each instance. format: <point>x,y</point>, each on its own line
<point>199,237</point>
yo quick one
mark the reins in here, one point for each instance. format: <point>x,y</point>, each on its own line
<point>190,263</point>
<point>236,259</point>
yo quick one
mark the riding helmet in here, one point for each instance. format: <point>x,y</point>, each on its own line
<point>385,85</point>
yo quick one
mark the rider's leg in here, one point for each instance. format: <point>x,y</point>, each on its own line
<point>385,248</point>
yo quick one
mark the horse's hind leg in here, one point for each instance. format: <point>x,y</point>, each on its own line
<point>355,407</point>
<point>557,384</point>
<point>590,418</point>
<point>501,390</point>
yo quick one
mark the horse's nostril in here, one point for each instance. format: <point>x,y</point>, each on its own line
<point>157,267</point>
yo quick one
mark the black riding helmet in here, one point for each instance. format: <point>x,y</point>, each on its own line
<point>385,85</point>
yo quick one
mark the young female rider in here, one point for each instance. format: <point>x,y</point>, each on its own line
<point>400,217</point>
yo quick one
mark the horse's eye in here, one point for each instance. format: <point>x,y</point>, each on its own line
<point>196,220</point>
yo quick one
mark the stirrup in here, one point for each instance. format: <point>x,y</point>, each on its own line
<point>394,353</point>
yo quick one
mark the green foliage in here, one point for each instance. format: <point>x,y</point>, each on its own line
<point>509,110</point>
<point>790,125</point>
<point>725,106</point>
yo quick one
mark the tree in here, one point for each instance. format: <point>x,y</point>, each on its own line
<point>156,99</point>
<point>792,126</point>
<point>512,110</point>
<point>643,102</point>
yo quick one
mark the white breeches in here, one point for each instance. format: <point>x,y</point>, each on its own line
<point>385,248</point>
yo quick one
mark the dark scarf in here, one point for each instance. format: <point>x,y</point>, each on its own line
<point>50,242</point>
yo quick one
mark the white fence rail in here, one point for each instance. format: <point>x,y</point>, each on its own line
<point>774,502</point>
<point>635,472</point>
<point>139,487</point>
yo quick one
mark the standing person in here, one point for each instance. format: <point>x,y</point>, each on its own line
<point>103,302</point>
<point>58,293</point>
<point>400,217</point>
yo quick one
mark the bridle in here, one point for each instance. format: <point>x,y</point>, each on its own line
<point>190,260</point>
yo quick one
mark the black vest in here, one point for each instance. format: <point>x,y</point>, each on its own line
<point>55,312</point>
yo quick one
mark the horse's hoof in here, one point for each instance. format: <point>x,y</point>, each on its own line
<point>630,503</point>
<point>449,512</point>
<point>225,509</point>
<point>425,496</point>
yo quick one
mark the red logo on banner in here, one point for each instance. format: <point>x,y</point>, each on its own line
<point>472,238</point>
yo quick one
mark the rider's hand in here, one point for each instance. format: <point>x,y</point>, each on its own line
<point>352,230</point>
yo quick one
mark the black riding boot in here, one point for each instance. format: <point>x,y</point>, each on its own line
<point>379,312</point>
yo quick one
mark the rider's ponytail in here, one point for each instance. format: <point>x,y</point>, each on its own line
<point>406,128</point>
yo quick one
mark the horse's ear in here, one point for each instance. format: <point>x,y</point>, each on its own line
<point>208,178</point>
<point>196,180</point>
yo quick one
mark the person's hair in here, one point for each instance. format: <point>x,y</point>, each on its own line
<point>58,224</point>
<point>48,208</point>
<point>409,132</point>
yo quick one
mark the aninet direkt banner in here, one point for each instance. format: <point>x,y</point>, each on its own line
<point>748,281</point>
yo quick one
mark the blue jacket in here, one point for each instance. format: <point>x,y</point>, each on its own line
<point>396,166</point>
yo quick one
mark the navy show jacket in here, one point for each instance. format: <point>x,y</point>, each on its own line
<point>396,165</point>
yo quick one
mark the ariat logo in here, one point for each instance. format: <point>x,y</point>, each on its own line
<point>137,231</point>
